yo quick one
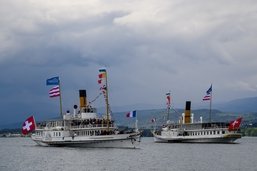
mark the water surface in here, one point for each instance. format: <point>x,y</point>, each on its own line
<point>22,154</point>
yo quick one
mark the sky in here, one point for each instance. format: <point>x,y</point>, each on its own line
<point>149,47</point>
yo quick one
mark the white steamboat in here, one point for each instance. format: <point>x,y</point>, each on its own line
<point>84,128</point>
<point>188,132</point>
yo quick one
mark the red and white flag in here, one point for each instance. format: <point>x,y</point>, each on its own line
<point>55,91</point>
<point>168,100</point>
<point>234,125</point>
<point>29,125</point>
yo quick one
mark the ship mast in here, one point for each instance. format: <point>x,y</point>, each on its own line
<point>104,87</point>
<point>107,105</point>
<point>168,105</point>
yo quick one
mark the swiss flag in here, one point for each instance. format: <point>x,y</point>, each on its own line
<point>234,125</point>
<point>29,125</point>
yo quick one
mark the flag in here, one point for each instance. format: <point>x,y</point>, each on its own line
<point>99,81</point>
<point>102,75</point>
<point>208,94</point>
<point>131,114</point>
<point>54,92</point>
<point>153,120</point>
<point>102,80</point>
<point>53,81</point>
<point>234,125</point>
<point>29,125</point>
<point>168,99</point>
<point>102,70</point>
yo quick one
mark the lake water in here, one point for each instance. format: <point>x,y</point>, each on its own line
<point>22,154</point>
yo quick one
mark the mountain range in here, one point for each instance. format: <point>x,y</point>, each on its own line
<point>243,105</point>
<point>246,107</point>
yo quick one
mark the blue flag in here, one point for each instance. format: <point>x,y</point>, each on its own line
<point>53,81</point>
<point>209,90</point>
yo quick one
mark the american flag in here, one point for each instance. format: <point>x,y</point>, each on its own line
<point>208,94</point>
<point>55,91</point>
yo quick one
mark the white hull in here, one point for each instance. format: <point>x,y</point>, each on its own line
<point>108,141</point>
<point>227,138</point>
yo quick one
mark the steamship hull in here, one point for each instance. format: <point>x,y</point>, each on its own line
<point>224,139</point>
<point>112,141</point>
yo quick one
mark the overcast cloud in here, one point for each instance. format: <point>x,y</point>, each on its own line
<point>149,47</point>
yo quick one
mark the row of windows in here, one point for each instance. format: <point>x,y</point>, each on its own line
<point>57,134</point>
<point>39,133</point>
<point>80,133</point>
<point>208,132</point>
<point>83,133</point>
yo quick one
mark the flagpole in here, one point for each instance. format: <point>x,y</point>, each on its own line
<point>60,97</point>
<point>168,106</point>
<point>136,128</point>
<point>35,122</point>
<point>210,108</point>
<point>154,124</point>
<point>168,112</point>
<point>107,103</point>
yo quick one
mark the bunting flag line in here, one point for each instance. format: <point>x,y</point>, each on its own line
<point>55,91</point>
<point>208,95</point>
<point>102,80</point>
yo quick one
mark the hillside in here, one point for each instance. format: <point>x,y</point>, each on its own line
<point>243,105</point>
<point>145,117</point>
<point>246,107</point>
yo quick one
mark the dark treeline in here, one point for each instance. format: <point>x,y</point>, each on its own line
<point>252,132</point>
<point>11,131</point>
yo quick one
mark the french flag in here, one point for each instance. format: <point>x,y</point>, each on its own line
<point>132,114</point>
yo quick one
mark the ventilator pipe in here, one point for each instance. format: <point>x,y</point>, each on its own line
<point>183,118</point>
<point>74,110</point>
<point>201,119</point>
<point>192,118</point>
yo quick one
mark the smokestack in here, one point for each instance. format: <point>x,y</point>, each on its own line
<point>83,99</point>
<point>188,112</point>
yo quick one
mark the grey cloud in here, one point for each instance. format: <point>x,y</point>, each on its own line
<point>148,48</point>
